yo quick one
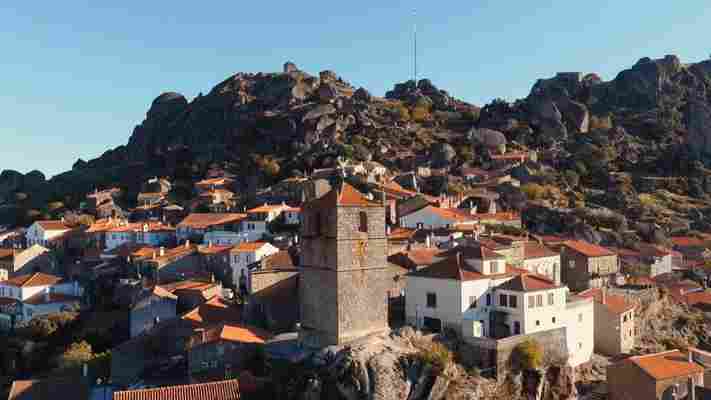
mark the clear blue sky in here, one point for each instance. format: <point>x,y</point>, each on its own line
<point>76,77</point>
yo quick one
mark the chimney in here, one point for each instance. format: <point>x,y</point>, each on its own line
<point>154,254</point>
<point>209,244</point>
<point>162,251</point>
<point>47,295</point>
<point>690,354</point>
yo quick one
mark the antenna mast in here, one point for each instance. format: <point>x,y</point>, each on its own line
<point>414,34</point>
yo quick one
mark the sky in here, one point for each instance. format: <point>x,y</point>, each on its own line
<point>77,76</point>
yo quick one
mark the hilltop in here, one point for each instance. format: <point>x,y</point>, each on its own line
<point>630,154</point>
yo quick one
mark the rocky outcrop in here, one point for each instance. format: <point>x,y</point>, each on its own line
<point>699,127</point>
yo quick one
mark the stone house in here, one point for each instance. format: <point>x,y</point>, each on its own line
<point>615,331</point>
<point>344,276</point>
<point>586,265</point>
<point>215,259</point>
<point>149,307</point>
<point>148,233</point>
<point>661,376</point>
<point>222,351</point>
<point>14,262</point>
<point>275,290</point>
<point>168,265</point>
<point>193,292</point>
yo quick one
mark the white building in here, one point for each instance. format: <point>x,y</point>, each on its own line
<point>152,234</point>
<point>27,296</point>
<point>475,293</point>
<point>225,238</point>
<point>44,233</point>
<point>196,225</point>
<point>431,217</point>
<point>541,260</point>
<point>245,254</point>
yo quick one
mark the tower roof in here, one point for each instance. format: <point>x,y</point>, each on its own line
<point>346,196</point>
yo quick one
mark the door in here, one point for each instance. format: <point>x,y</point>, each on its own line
<point>433,324</point>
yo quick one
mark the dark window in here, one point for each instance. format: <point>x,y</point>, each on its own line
<point>553,320</point>
<point>317,224</point>
<point>472,301</point>
<point>503,300</point>
<point>431,300</point>
<point>538,323</point>
<point>513,301</point>
<point>488,299</point>
<point>517,328</point>
<point>363,225</point>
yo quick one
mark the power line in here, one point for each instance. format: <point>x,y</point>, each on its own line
<point>414,34</point>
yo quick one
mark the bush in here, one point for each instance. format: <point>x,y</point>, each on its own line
<point>435,355</point>
<point>421,114</point>
<point>77,354</point>
<point>572,178</point>
<point>533,191</point>
<point>527,355</point>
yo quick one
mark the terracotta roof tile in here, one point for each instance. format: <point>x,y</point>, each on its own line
<point>248,247</point>
<point>528,283</point>
<point>266,208</point>
<point>534,250</point>
<point>698,298</point>
<point>347,196</point>
<point>401,234</point>
<point>452,268</point>
<point>666,365</point>
<point>588,249</point>
<point>212,312</point>
<point>232,333</point>
<point>214,181</point>
<point>222,390</point>
<point>214,249</point>
<point>53,225</point>
<point>47,389</point>
<point>202,221</point>
<point>615,303</point>
<point>280,259</point>
<point>33,280</point>
<point>41,298</point>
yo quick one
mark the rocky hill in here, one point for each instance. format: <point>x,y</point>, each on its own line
<point>618,145</point>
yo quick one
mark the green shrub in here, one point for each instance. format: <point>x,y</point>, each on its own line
<point>528,355</point>
<point>435,355</point>
<point>533,191</point>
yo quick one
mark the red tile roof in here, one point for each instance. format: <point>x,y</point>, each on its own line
<point>698,298</point>
<point>401,234</point>
<point>222,390</point>
<point>588,249</point>
<point>214,181</point>
<point>347,196</point>
<point>212,312</point>
<point>453,268</point>
<point>266,208</point>
<point>49,388</point>
<point>7,253</point>
<point>666,365</point>
<point>534,250</point>
<point>202,221</point>
<point>688,241</point>
<point>529,283</point>
<point>245,247</point>
<point>615,303</point>
<point>189,285</point>
<point>53,225</point>
<point>33,280</point>
<point>231,333</point>
<point>214,249</point>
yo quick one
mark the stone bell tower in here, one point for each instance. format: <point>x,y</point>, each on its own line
<point>344,281</point>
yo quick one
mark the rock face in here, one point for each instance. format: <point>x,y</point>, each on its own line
<point>699,126</point>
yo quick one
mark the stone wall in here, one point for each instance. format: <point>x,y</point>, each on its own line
<point>262,280</point>
<point>494,355</point>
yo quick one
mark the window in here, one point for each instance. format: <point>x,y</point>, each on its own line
<point>571,264</point>
<point>580,345</point>
<point>580,317</point>
<point>538,323</point>
<point>503,300</point>
<point>551,299</point>
<point>513,301</point>
<point>494,267</point>
<point>624,318</point>
<point>539,300</point>
<point>531,301</point>
<point>488,299</point>
<point>317,224</point>
<point>553,320</point>
<point>472,301</point>
<point>517,328</point>
<point>363,222</point>
<point>431,300</point>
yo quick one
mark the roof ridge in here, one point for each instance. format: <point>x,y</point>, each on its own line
<point>641,356</point>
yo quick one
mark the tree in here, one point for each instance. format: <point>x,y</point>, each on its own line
<point>76,355</point>
<point>527,355</point>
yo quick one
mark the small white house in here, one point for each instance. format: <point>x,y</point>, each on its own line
<point>44,232</point>
<point>541,260</point>
<point>431,217</point>
<point>245,254</point>
<point>225,238</point>
<point>27,296</point>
